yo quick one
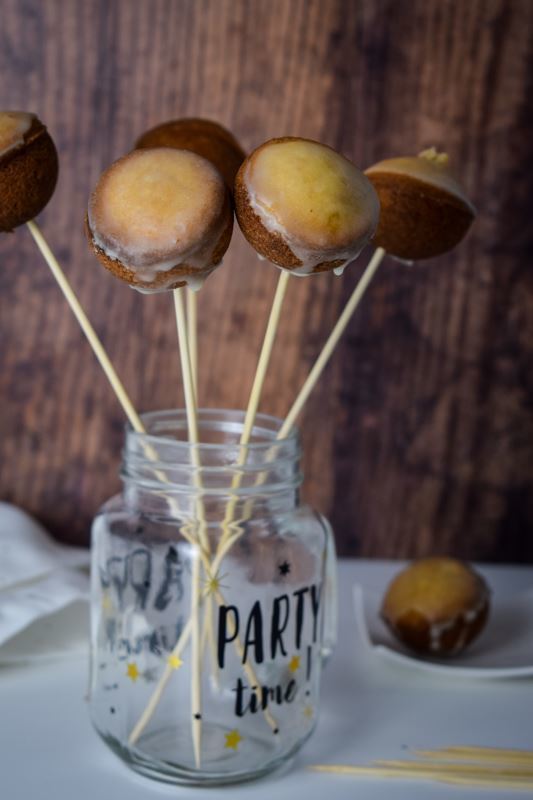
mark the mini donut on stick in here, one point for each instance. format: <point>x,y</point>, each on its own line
<point>28,176</point>
<point>160,219</point>
<point>201,136</point>
<point>424,210</point>
<point>28,168</point>
<point>308,210</point>
<point>215,143</point>
<point>304,206</point>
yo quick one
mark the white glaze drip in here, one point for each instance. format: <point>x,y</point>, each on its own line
<point>466,618</point>
<point>309,257</point>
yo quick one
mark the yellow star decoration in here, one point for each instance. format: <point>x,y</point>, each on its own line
<point>174,662</point>
<point>308,712</point>
<point>294,663</point>
<point>232,739</point>
<point>133,673</point>
<point>214,584</point>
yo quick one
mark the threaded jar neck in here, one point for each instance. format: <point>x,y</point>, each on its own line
<point>161,469</point>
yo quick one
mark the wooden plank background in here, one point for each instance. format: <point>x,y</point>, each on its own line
<point>420,436</point>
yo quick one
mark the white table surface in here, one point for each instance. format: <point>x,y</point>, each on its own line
<point>369,710</point>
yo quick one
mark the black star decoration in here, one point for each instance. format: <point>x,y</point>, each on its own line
<point>284,568</point>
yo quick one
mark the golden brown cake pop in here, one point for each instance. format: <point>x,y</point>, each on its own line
<point>304,206</point>
<point>424,211</point>
<point>436,606</point>
<point>28,168</point>
<point>160,219</point>
<point>201,136</point>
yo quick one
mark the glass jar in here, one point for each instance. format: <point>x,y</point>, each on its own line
<point>213,602</point>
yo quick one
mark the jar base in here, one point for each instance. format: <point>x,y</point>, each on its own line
<point>220,768</point>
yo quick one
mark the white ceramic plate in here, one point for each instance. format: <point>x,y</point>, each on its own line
<point>503,650</point>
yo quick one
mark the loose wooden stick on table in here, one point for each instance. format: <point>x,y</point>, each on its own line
<point>87,328</point>
<point>457,775</point>
<point>492,755</point>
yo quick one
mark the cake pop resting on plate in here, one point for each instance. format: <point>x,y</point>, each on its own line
<point>303,206</point>
<point>201,136</point>
<point>437,606</point>
<point>28,168</point>
<point>160,219</point>
<point>424,210</point>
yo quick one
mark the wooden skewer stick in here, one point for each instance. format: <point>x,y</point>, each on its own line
<point>264,360</point>
<point>332,342</point>
<point>411,771</point>
<point>464,768</point>
<point>255,395</point>
<point>192,426</point>
<point>148,712</point>
<point>192,335</point>
<point>94,342</point>
<point>87,328</point>
<point>493,755</point>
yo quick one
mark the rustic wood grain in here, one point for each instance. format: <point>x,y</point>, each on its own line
<point>419,438</point>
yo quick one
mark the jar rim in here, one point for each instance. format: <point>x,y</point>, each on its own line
<point>266,423</point>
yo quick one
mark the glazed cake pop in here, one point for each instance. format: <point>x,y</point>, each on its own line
<point>437,606</point>
<point>303,206</point>
<point>28,168</point>
<point>201,136</point>
<point>160,219</point>
<point>424,211</point>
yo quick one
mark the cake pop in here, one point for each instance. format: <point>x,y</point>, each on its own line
<point>160,219</point>
<point>304,206</point>
<point>28,168</point>
<point>437,606</point>
<point>424,211</point>
<point>201,136</point>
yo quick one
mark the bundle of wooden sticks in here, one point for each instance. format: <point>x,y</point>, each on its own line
<point>475,767</point>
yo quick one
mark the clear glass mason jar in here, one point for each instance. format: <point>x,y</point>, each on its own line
<point>213,602</point>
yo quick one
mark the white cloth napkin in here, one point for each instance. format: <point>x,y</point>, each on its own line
<point>39,581</point>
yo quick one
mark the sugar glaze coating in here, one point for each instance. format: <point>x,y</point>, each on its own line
<point>304,206</point>
<point>160,218</point>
